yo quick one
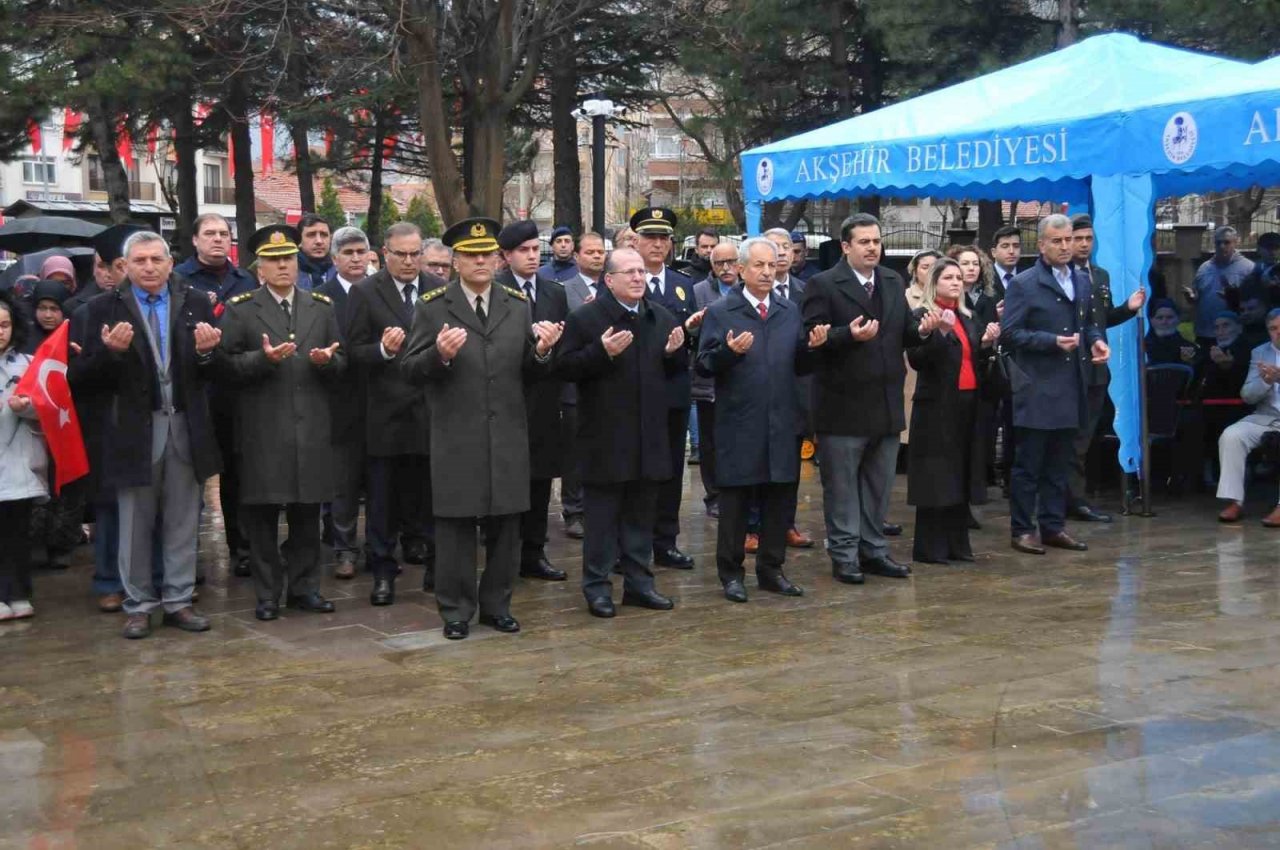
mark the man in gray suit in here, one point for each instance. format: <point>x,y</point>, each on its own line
<point>580,289</point>
<point>1262,390</point>
<point>721,281</point>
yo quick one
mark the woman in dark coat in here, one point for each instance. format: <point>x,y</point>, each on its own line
<point>946,472</point>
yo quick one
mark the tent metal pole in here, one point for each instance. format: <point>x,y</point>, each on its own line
<point>1145,464</point>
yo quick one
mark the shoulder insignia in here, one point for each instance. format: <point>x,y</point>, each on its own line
<point>321,297</point>
<point>432,294</point>
<point>515,293</point>
<point>243,296</point>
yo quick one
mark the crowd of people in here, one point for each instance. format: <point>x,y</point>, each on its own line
<point>445,384</point>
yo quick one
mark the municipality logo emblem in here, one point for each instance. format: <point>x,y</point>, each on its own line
<point>764,176</point>
<point>1180,137</point>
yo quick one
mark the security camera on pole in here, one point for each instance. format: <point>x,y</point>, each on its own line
<point>597,110</point>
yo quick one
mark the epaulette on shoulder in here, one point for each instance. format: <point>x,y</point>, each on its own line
<point>322,297</point>
<point>434,293</point>
<point>515,292</point>
<point>242,297</point>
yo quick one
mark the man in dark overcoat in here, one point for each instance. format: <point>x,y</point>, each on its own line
<point>547,302</point>
<point>1049,328</point>
<point>754,343</point>
<point>280,351</point>
<point>620,349</point>
<point>472,348</point>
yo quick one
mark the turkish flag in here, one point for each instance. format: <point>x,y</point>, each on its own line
<point>267,131</point>
<point>45,383</point>
<point>124,145</point>
<point>33,134</point>
<point>71,121</point>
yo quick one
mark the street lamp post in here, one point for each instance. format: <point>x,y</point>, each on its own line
<point>597,110</point>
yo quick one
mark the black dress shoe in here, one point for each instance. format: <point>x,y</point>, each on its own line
<point>1028,544</point>
<point>502,623</point>
<point>415,553</point>
<point>267,611</point>
<point>735,591</point>
<point>1088,514</point>
<point>1062,540</point>
<point>651,599</point>
<point>456,630</point>
<point>601,606</point>
<point>241,568</point>
<point>886,566</point>
<point>781,585</point>
<point>672,557</point>
<point>891,529</point>
<point>542,569</point>
<point>384,592</point>
<point>313,602</point>
<point>847,573</point>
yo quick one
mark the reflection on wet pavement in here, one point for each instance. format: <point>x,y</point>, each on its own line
<point>1123,697</point>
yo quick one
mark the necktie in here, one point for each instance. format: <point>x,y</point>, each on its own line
<point>408,294</point>
<point>782,290</point>
<point>480,314</point>
<point>654,283</point>
<point>153,321</point>
<point>870,286</point>
<point>762,310</point>
<point>1008,279</point>
<point>528,290</point>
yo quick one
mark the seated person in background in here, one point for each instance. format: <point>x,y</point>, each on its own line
<point>1261,389</point>
<point>1164,343</point>
<point>1224,367</point>
<point>1215,397</point>
<point>1253,319</point>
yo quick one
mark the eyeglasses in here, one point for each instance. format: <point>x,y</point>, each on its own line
<point>437,265</point>
<point>723,262</point>
<point>405,255</point>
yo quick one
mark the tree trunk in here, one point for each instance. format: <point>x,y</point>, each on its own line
<point>869,204</point>
<point>990,219</point>
<point>1241,209</point>
<point>298,131</point>
<point>373,221</point>
<point>246,212</point>
<point>1068,22</point>
<point>793,216</point>
<point>103,128</point>
<point>184,145</point>
<point>488,135</point>
<point>840,208</point>
<point>564,135</point>
<point>437,130</point>
<point>771,214</point>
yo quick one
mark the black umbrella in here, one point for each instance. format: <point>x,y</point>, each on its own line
<point>81,258</point>
<point>24,235</point>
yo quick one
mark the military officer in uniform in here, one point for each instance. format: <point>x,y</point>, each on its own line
<point>547,303</point>
<point>674,291</point>
<point>472,346</point>
<point>279,354</point>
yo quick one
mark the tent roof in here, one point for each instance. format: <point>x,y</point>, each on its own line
<point>1095,76</point>
<point>1038,129</point>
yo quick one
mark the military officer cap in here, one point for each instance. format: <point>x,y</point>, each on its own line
<point>654,221</point>
<point>109,244</point>
<point>275,240</point>
<point>473,236</point>
<point>516,234</point>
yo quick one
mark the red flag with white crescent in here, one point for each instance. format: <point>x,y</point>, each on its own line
<point>34,135</point>
<point>71,121</point>
<point>45,383</point>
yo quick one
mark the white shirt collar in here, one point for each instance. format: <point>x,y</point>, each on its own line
<point>344,283</point>
<point>290,296</point>
<point>485,297</point>
<point>864,280</point>
<point>588,281</point>
<point>754,301</point>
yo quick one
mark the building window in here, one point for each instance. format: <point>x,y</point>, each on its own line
<point>212,175</point>
<point>666,144</point>
<point>39,170</point>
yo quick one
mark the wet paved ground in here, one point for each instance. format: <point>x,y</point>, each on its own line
<point>1124,697</point>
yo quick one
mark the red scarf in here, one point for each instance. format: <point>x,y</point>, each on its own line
<point>968,378</point>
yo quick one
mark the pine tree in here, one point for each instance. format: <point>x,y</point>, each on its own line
<point>330,208</point>
<point>421,214</point>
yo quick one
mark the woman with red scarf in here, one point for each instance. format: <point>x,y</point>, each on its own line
<point>947,451</point>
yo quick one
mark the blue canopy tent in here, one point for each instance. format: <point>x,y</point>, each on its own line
<point>1111,123</point>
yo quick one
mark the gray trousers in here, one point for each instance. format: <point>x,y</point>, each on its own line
<point>173,497</point>
<point>857,478</point>
<point>1233,450</point>
<point>349,463</point>
<point>456,593</point>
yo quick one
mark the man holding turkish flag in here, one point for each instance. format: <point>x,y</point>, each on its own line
<point>45,383</point>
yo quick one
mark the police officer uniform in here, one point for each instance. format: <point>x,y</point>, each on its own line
<point>282,427</point>
<point>479,432</point>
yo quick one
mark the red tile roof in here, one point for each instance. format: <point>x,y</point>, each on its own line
<point>279,191</point>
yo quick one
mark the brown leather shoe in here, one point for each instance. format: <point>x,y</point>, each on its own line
<point>111,603</point>
<point>137,626</point>
<point>753,544</point>
<point>187,619</point>
<point>1028,543</point>
<point>1272,520</point>
<point>797,539</point>
<point>346,567</point>
<point>1062,540</point>
<point>1231,513</point>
